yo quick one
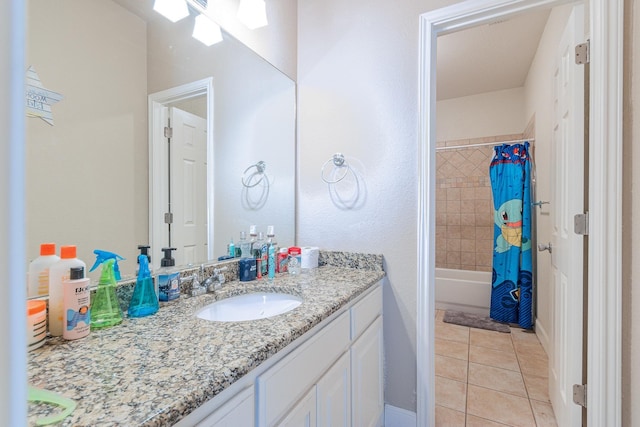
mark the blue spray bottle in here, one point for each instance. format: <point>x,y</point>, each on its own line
<point>102,256</point>
<point>144,301</point>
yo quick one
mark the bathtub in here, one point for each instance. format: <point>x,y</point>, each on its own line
<point>463,290</point>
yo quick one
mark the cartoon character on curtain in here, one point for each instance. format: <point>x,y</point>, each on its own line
<point>511,291</point>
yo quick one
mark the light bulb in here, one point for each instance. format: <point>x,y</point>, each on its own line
<point>207,31</point>
<point>252,13</point>
<point>173,10</point>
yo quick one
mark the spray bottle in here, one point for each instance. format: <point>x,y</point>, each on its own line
<point>144,301</point>
<point>102,256</point>
<point>144,250</point>
<point>105,308</point>
<point>168,277</point>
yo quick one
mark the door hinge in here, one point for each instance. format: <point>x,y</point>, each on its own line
<point>580,394</point>
<point>581,224</point>
<point>168,132</point>
<point>168,218</point>
<point>582,53</point>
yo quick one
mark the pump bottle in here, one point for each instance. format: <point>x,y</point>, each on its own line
<point>168,278</point>
<point>58,273</point>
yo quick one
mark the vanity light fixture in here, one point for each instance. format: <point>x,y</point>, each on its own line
<point>207,31</point>
<point>252,13</point>
<point>173,10</point>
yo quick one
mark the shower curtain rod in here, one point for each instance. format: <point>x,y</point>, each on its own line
<point>484,144</point>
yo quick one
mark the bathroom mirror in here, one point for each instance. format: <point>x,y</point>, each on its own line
<point>88,173</point>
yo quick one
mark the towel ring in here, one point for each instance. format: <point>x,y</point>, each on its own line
<point>339,162</point>
<point>260,170</point>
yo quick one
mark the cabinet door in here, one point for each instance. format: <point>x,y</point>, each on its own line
<point>334,394</point>
<point>367,376</point>
<point>303,414</point>
<point>239,411</point>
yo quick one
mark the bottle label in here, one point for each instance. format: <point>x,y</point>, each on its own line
<point>169,286</point>
<point>77,309</point>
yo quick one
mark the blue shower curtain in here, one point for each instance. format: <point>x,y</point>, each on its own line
<point>511,291</point>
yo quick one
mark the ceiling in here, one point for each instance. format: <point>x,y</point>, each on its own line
<point>489,57</point>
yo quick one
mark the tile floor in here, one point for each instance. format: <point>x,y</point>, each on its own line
<point>490,379</point>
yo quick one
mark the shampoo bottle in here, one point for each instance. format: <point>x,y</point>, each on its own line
<point>144,301</point>
<point>39,270</point>
<point>168,278</point>
<point>105,308</point>
<point>76,311</point>
<point>58,273</point>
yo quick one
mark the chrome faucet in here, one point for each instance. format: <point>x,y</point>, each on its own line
<point>216,280</point>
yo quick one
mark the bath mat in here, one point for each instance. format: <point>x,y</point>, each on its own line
<point>474,321</point>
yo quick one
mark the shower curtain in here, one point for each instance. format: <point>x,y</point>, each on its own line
<point>511,292</point>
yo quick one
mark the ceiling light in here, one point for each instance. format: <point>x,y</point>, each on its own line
<point>207,31</point>
<point>252,13</point>
<point>173,10</point>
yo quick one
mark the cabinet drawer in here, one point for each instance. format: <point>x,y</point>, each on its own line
<point>291,378</point>
<point>365,312</point>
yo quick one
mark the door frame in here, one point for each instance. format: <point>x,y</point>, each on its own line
<point>605,197</point>
<point>158,159</point>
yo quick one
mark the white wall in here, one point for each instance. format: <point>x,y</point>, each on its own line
<point>539,102</point>
<point>358,94</point>
<point>487,114</point>
<point>87,175</point>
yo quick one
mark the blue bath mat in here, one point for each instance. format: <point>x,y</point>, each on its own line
<point>474,321</point>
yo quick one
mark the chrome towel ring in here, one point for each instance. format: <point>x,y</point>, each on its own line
<point>338,162</point>
<point>260,170</point>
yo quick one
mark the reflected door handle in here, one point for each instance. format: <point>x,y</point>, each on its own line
<point>547,247</point>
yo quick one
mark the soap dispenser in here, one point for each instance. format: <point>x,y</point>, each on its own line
<point>144,301</point>
<point>144,250</point>
<point>105,308</point>
<point>168,277</point>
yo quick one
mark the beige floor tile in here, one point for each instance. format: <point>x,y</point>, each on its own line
<point>455,349</point>
<point>473,421</point>
<point>534,365</point>
<point>446,417</point>
<point>500,407</point>
<point>447,331</point>
<point>490,339</point>
<point>454,369</point>
<point>543,413</point>
<point>537,387</point>
<point>519,334</point>
<point>529,348</point>
<point>497,379</point>
<point>505,359</point>
<point>451,394</point>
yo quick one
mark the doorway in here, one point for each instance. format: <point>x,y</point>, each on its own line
<point>604,201</point>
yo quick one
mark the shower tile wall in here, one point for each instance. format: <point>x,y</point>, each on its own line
<point>464,209</point>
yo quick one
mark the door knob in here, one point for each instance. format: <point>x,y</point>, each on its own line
<point>547,247</point>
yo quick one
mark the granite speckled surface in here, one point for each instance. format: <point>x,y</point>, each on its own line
<point>153,371</point>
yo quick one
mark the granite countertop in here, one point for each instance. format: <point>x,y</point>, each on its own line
<point>155,370</point>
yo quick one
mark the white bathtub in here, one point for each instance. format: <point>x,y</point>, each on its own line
<point>463,290</point>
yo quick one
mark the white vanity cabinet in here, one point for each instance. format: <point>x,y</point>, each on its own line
<point>332,376</point>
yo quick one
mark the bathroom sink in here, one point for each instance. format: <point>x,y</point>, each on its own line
<point>252,306</point>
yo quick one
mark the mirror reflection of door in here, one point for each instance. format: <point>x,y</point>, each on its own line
<point>187,177</point>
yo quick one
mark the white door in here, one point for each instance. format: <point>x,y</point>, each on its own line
<point>188,186</point>
<point>565,358</point>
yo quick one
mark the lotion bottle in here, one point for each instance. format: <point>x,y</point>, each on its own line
<point>39,270</point>
<point>76,316</point>
<point>58,273</point>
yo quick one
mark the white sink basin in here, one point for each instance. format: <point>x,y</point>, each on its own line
<point>249,307</point>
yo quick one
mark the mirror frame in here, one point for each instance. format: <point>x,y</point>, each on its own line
<point>158,160</point>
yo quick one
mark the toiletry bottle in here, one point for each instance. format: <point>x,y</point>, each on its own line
<point>39,270</point>
<point>58,273</point>
<point>77,310</point>
<point>282,260</point>
<point>256,249</point>
<point>264,254</point>
<point>168,278</point>
<point>232,249</point>
<point>144,250</point>
<point>36,323</point>
<point>144,301</point>
<point>245,245</point>
<point>105,307</point>
<point>294,266</point>
<point>272,262</point>
<point>253,237</point>
<point>271,241</point>
<point>102,256</point>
